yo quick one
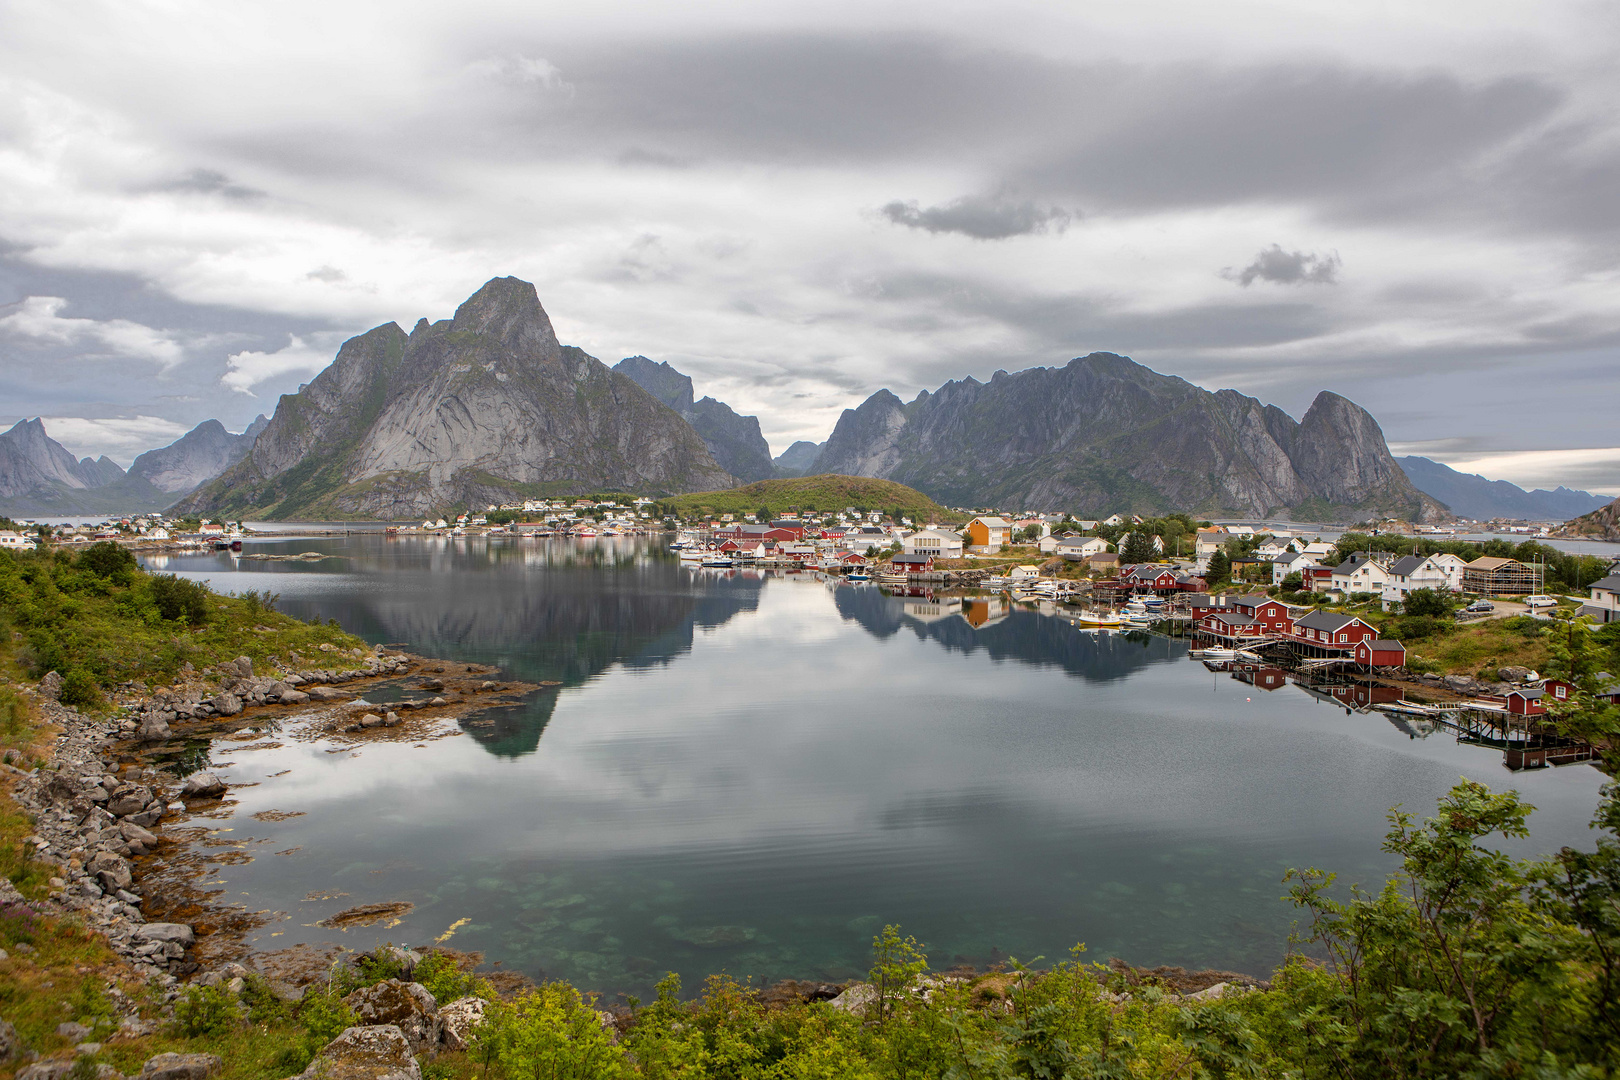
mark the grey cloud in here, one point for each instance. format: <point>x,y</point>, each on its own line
<point>983,217</point>
<point>208,182</point>
<point>1287,268</point>
<point>328,274</point>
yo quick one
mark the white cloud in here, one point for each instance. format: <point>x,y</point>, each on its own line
<point>40,318</point>
<point>1595,469</point>
<point>120,438</point>
<point>245,370</point>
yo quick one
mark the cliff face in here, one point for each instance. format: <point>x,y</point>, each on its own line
<point>1103,434</point>
<point>486,407</point>
<point>735,441</point>
<point>31,461</point>
<point>197,456</point>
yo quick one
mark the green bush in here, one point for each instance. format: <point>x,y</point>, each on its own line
<point>180,599</point>
<point>446,981</point>
<point>323,1015</point>
<point>1429,602</point>
<point>81,690</point>
<point>107,559</point>
<point>204,1010</point>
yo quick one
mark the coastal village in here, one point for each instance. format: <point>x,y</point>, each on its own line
<point>1267,603</point>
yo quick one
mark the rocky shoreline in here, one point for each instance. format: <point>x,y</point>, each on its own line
<point>101,807</point>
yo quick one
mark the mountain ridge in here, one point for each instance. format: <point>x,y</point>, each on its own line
<point>485,407</point>
<point>1472,496</point>
<point>1103,434</point>
<point>735,440</point>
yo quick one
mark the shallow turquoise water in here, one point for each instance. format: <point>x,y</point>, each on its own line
<point>755,774</point>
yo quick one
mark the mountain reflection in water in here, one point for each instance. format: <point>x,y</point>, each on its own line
<point>755,775</point>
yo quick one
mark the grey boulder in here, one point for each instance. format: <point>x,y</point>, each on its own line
<point>378,1052</point>
<point>180,1067</point>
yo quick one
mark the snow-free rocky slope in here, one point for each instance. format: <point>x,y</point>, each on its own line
<point>483,408</point>
<point>1103,434</point>
<point>196,457</point>
<point>734,440</point>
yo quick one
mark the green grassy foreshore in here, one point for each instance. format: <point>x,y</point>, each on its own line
<point>1467,964</point>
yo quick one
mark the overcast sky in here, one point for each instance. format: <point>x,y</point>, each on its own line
<point>1415,205</point>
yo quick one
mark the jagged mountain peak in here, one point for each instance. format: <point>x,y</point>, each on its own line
<point>509,309</point>
<point>735,441</point>
<point>1103,433</point>
<point>485,407</point>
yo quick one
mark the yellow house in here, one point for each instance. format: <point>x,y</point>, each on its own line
<point>987,535</point>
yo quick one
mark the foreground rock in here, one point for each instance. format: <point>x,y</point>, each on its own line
<point>365,1053</point>
<point>457,1021</point>
<point>180,1067</point>
<point>405,1006</point>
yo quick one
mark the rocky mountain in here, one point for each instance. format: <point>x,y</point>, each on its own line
<point>197,456</point>
<point>1600,524</point>
<point>1103,434</point>
<point>1470,495</point>
<point>483,408</point>
<point>40,478</point>
<point>735,441</point>
<point>797,459</point>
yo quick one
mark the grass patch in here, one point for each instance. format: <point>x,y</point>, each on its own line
<point>102,622</point>
<point>827,493</point>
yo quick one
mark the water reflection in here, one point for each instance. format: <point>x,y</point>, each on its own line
<point>754,775</point>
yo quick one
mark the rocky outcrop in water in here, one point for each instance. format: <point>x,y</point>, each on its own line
<point>483,408</point>
<point>735,441</point>
<point>1103,434</point>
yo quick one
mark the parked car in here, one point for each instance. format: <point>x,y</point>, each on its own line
<point>1480,605</point>
<point>1540,601</point>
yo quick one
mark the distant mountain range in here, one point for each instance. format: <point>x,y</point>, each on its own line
<point>797,459</point>
<point>1103,434</point>
<point>487,407</point>
<point>1470,495</point>
<point>40,478</point>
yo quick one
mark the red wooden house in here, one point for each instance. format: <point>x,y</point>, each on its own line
<point>1272,615</point>
<point>1533,700</point>
<point>1379,652</point>
<point>1331,631</point>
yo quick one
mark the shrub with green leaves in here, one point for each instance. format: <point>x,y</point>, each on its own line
<point>204,1010</point>
<point>323,1014</point>
<point>180,599</point>
<point>81,690</point>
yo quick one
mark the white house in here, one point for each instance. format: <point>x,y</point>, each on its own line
<point>1112,520</point>
<point>1318,550</point>
<point>1452,567</point>
<point>9,539</point>
<point>940,543</point>
<point>1604,605</point>
<point>1024,573</point>
<point>157,533</point>
<point>1207,542</point>
<point>1359,574</point>
<point>1078,548</point>
<point>1291,562</point>
<point>1410,573</point>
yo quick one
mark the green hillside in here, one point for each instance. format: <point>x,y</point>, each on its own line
<point>819,494</point>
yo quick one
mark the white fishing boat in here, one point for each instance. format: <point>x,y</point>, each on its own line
<point>715,559</point>
<point>1104,619</point>
<point>1214,654</point>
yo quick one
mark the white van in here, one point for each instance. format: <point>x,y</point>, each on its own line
<point>1540,601</point>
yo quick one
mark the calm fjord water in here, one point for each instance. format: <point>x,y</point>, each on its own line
<point>753,775</point>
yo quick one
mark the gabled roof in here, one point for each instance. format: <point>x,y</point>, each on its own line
<point>1252,600</point>
<point>1229,618</point>
<point>994,522</point>
<point>1611,583</point>
<point>1385,645</point>
<point>1326,621</point>
<point>1487,563</point>
<point>1408,564</point>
